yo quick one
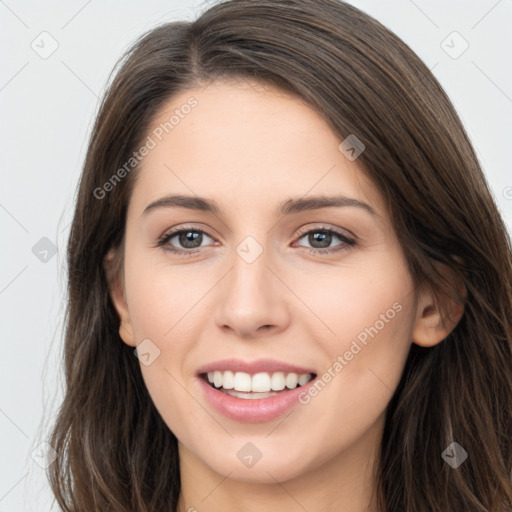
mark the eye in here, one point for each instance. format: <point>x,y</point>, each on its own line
<point>320,240</point>
<point>189,239</point>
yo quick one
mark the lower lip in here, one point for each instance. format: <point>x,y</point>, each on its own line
<point>252,410</point>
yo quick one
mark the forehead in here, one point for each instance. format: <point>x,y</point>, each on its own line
<point>246,144</point>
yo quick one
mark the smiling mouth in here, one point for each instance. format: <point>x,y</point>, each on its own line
<point>255,386</point>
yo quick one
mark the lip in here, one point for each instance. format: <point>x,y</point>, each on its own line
<point>252,410</point>
<point>252,367</point>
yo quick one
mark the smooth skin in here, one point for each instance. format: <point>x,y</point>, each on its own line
<point>249,148</point>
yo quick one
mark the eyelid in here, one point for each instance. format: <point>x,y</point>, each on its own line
<point>322,227</point>
<point>347,241</point>
<point>170,233</point>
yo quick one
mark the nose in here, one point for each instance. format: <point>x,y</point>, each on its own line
<point>252,299</point>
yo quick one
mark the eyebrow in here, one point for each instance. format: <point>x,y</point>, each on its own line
<point>286,207</point>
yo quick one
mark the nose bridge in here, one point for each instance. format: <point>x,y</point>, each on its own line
<point>250,266</point>
<point>249,281</point>
<point>251,297</point>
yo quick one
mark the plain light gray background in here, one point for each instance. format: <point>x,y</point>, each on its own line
<point>47,106</point>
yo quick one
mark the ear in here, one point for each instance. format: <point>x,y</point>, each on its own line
<point>118,295</point>
<point>438,313</point>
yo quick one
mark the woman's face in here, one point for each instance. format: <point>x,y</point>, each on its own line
<point>259,291</point>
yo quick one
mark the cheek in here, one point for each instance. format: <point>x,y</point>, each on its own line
<point>161,304</point>
<point>370,316</point>
<point>162,310</point>
<point>364,366</point>
<point>370,358</point>
<point>361,300</point>
<point>164,299</point>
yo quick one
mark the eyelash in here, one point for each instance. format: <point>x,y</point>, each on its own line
<point>346,241</point>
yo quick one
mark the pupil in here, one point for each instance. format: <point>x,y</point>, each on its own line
<point>190,236</point>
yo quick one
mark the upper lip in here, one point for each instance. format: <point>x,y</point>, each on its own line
<point>253,367</point>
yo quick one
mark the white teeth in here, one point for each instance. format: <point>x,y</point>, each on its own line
<point>228,380</point>
<point>303,379</point>
<point>242,382</point>
<point>292,379</point>
<point>263,382</point>
<point>249,396</point>
<point>278,383</point>
<point>217,379</point>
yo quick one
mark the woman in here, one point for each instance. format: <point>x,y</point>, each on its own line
<point>281,216</point>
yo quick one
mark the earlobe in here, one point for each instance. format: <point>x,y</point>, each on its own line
<point>118,297</point>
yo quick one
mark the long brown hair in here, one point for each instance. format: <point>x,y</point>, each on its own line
<point>114,450</point>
